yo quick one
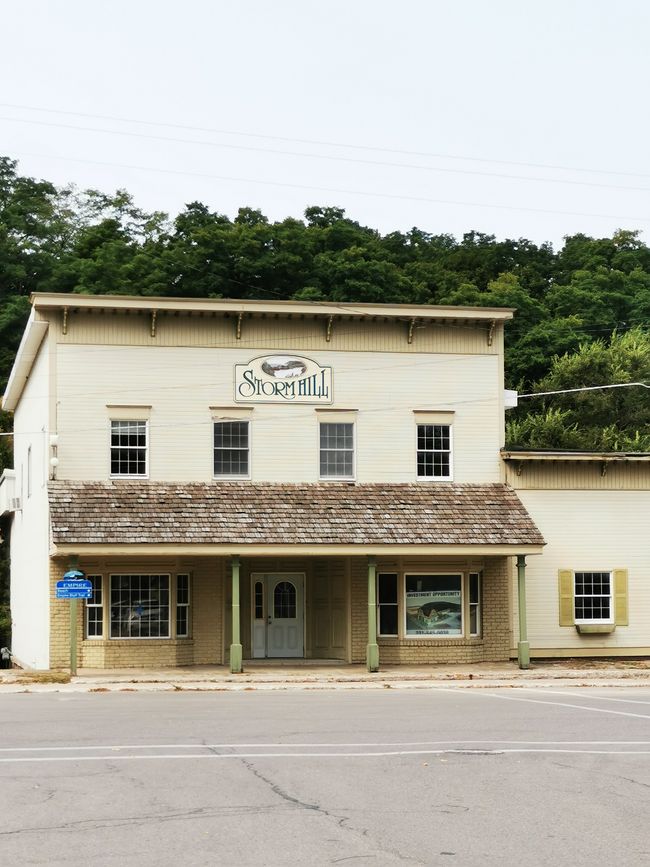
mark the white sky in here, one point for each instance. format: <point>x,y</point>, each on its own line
<point>551,82</point>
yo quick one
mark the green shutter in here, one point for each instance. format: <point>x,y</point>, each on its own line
<point>565,595</point>
<point>621,617</point>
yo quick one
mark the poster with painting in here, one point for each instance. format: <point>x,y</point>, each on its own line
<point>431,612</point>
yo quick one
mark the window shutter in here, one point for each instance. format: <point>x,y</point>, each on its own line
<point>621,617</point>
<point>565,595</point>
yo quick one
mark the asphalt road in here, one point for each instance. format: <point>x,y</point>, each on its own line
<point>437,776</point>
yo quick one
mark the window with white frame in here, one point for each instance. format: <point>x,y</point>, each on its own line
<point>95,608</point>
<point>336,450</point>
<point>387,604</point>
<point>474,603</point>
<point>139,606</point>
<point>231,448</point>
<point>593,597</point>
<point>182,606</point>
<point>129,448</point>
<point>433,605</point>
<point>434,451</point>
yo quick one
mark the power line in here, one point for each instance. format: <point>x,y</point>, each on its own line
<point>340,190</point>
<point>586,388</point>
<point>331,157</point>
<point>320,142</point>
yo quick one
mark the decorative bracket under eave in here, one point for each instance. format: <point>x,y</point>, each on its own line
<point>240,319</point>
<point>491,329</point>
<point>154,317</point>
<point>411,330</point>
<point>328,332</point>
<point>603,469</point>
<point>519,467</point>
<point>65,320</point>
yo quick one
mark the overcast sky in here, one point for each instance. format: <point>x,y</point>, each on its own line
<point>520,118</point>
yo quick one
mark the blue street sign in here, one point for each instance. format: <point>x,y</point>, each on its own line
<point>74,589</point>
<point>64,593</point>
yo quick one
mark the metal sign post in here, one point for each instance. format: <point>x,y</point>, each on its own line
<point>74,586</point>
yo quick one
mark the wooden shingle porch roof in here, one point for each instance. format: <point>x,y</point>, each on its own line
<point>230,516</point>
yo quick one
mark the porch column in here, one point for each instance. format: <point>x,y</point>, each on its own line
<point>372,650</point>
<point>235,647</point>
<point>523,648</point>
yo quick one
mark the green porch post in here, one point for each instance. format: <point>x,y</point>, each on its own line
<point>372,650</point>
<point>235,647</point>
<point>523,648</point>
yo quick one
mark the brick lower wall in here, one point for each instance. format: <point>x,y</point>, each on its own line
<point>492,646</point>
<point>210,591</point>
<point>204,647</point>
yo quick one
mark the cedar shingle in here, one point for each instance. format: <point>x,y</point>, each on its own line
<point>123,512</point>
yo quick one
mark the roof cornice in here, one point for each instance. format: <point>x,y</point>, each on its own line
<point>44,301</point>
<point>27,351</point>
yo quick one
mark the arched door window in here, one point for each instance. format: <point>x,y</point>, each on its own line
<point>284,601</point>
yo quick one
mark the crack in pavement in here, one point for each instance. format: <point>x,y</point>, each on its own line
<point>341,821</point>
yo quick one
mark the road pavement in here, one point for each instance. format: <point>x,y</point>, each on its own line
<point>447,775</point>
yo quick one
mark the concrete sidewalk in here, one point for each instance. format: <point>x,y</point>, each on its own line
<point>315,676</point>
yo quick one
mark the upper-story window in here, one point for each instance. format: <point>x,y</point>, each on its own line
<point>232,449</point>
<point>336,450</point>
<point>129,448</point>
<point>434,451</point>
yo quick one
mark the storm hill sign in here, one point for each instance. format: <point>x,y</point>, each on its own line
<point>283,379</point>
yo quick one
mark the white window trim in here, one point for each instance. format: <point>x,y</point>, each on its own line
<point>448,478</point>
<point>144,475</point>
<point>230,477</point>
<point>86,636</point>
<point>142,637</point>
<point>431,637</point>
<point>186,605</point>
<point>479,604</point>
<point>594,621</point>
<point>351,478</point>
<point>398,584</point>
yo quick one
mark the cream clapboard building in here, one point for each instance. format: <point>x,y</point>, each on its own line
<point>244,480</point>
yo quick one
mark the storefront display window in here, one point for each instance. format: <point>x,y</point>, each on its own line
<point>433,605</point>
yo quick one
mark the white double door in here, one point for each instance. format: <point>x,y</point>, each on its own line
<point>278,614</point>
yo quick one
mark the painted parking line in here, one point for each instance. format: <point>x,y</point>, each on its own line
<point>321,755</point>
<point>456,742</point>
<point>590,696</point>
<point>485,694</point>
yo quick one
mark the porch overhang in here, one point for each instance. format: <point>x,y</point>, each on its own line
<point>135,551</point>
<point>140,518</point>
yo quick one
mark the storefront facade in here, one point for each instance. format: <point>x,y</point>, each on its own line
<point>250,480</point>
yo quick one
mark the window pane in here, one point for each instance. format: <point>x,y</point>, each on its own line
<point>386,588</point>
<point>139,606</point>
<point>94,609</point>
<point>128,448</point>
<point>336,450</point>
<point>388,619</point>
<point>284,601</point>
<point>259,600</point>
<point>433,451</point>
<point>231,448</point>
<point>433,605</point>
<point>593,596</point>
<point>182,589</point>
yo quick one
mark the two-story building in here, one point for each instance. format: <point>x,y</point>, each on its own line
<point>253,479</point>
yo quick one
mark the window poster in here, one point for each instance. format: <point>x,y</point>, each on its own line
<point>433,605</point>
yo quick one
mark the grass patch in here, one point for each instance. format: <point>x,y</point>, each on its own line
<point>43,677</point>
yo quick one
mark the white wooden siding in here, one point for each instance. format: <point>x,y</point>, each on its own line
<point>30,525</point>
<point>585,531</point>
<point>182,383</point>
